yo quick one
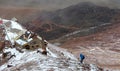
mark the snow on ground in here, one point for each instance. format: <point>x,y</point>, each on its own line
<point>57,59</point>
<point>14,25</point>
<point>63,51</point>
<point>28,56</point>
<point>33,61</point>
<point>11,36</point>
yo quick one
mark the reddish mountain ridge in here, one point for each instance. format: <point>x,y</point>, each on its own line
<point>76,17</point>
<point>63,21</point>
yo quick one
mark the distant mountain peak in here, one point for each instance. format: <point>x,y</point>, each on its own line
<point>76,17</point>
<point>87,4</point>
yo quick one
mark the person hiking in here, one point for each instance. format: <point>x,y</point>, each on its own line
<point>82,57</point>
<point>44,46</point>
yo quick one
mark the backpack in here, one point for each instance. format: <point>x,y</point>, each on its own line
<point>82,56</point>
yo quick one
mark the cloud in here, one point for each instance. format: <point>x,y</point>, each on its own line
<point>57,4</point>
<point>109,3</point>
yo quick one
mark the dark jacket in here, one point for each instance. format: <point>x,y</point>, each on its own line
<point>82,56</point>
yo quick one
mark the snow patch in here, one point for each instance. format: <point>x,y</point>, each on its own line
<point>58,59</point>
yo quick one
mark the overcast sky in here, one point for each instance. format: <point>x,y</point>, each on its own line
<point>56,4</point>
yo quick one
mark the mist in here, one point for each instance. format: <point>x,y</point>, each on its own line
<point>108,3</point>
<point>55,4</point>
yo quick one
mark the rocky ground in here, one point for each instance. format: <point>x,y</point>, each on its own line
<point>102,48</point>
<point>57,59</point>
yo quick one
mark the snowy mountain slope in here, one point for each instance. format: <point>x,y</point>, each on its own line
<point>13,30</point>
<point>33,61</point>
<point>57,59</point>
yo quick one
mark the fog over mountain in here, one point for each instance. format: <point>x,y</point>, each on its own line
<point>55,4</point>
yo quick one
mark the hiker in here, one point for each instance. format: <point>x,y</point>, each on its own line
<point>27,35</point>
<point>82,57</point>
<point>44,45</point>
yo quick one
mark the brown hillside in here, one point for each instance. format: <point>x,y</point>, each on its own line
<point>22,14</point>
<point>101,48</point>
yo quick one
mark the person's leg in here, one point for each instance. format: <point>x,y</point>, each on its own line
<point>81,61</point>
